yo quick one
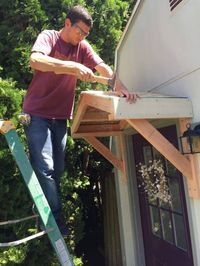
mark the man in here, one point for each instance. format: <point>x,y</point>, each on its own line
<point>59,58</point>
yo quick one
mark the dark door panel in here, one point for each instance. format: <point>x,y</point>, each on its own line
<point>165,226</point>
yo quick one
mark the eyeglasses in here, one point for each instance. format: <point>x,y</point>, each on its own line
<point>80,31</point>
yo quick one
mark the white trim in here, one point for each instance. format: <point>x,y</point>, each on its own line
<point>129,213</point>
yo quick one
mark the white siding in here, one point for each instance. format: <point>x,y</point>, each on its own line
<point>161,46</point>
<point>160,52</point>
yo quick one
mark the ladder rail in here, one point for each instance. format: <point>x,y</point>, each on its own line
<point>37,194</point>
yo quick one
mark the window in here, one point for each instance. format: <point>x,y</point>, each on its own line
<point>167,221</point>
<point>174,3</point>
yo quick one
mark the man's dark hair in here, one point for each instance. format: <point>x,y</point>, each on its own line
<point>78,13</point>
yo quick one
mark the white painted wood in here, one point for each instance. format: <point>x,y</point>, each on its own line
<point>193,216</point>
<point>149,106</point>
<point>130,230</point>
<point>153,108</point>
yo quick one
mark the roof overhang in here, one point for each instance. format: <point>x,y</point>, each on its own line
<point>106,114</point>
<point>101,114</point>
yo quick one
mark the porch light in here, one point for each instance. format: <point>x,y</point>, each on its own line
<point>190,140</point>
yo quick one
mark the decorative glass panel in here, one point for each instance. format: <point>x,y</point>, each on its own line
<point>157,155</point>
<point>147,154</point>
<point>155,221</point>
<point>175,195</point>
<point>167,226</point>
<point>170,168</point>
<point>180,232</point>
<point>165,205</point>
<point>152,201</point>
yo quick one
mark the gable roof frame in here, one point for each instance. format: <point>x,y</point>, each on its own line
<point>102,114</point>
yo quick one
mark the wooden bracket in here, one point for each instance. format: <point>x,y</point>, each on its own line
<point>103,150</point>
<point>121,147</point>
<point>184,164</point>
<point>194,183</point>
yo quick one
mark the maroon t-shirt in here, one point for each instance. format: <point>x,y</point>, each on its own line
<point>51,95</point>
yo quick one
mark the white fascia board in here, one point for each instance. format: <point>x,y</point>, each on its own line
<point>153,108</point>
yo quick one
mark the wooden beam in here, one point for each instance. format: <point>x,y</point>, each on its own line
<point>194,183</point>
<point>103,150</point>
<point>92,128</point>
<point>102,103</point>
<point>121,146</point>
<point>79,115</point>
<point>123,124</point>
<point>163,146</point>
<point>96,134</point>
<point>93,114</point>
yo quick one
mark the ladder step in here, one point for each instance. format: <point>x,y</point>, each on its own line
<point>23,240</point>
<point>19,220</point>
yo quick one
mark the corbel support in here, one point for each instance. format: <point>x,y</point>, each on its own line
<point>103,150</point>
<point>181,162</point>
<point>121,147</point>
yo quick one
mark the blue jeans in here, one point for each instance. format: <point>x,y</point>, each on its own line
<point>47,141</point>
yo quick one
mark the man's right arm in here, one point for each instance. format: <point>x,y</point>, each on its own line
<point>45,63</point>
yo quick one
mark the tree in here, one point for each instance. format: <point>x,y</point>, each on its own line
<point>20,23</point>
<point>19,26</point>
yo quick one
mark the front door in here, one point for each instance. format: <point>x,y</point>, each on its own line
<point>165,226</point>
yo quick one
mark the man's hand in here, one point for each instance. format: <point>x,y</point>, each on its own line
<point>84,73</point>
<point>123,92</point>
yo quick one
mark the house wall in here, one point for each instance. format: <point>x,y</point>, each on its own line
<point>159,52</point>
<point>161,46</point>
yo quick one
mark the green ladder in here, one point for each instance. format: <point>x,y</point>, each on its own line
<point>8,130</point>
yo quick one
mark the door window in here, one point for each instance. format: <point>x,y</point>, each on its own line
<point>165,225</point>
<point>167,220</point>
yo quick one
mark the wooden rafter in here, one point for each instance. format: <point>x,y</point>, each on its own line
<point>187,165</point>
<point>165,147</point>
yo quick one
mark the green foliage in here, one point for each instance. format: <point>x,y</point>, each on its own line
<point>19,27</point>
<point>20,23</point>
<point>109,16</point>
<point>10,99</point>
<point>14,255</point>
<point>23,20</point>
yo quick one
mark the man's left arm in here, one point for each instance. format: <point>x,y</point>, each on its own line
<point>106,71</point>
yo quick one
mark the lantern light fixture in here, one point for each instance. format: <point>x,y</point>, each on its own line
<point>190,140</point>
